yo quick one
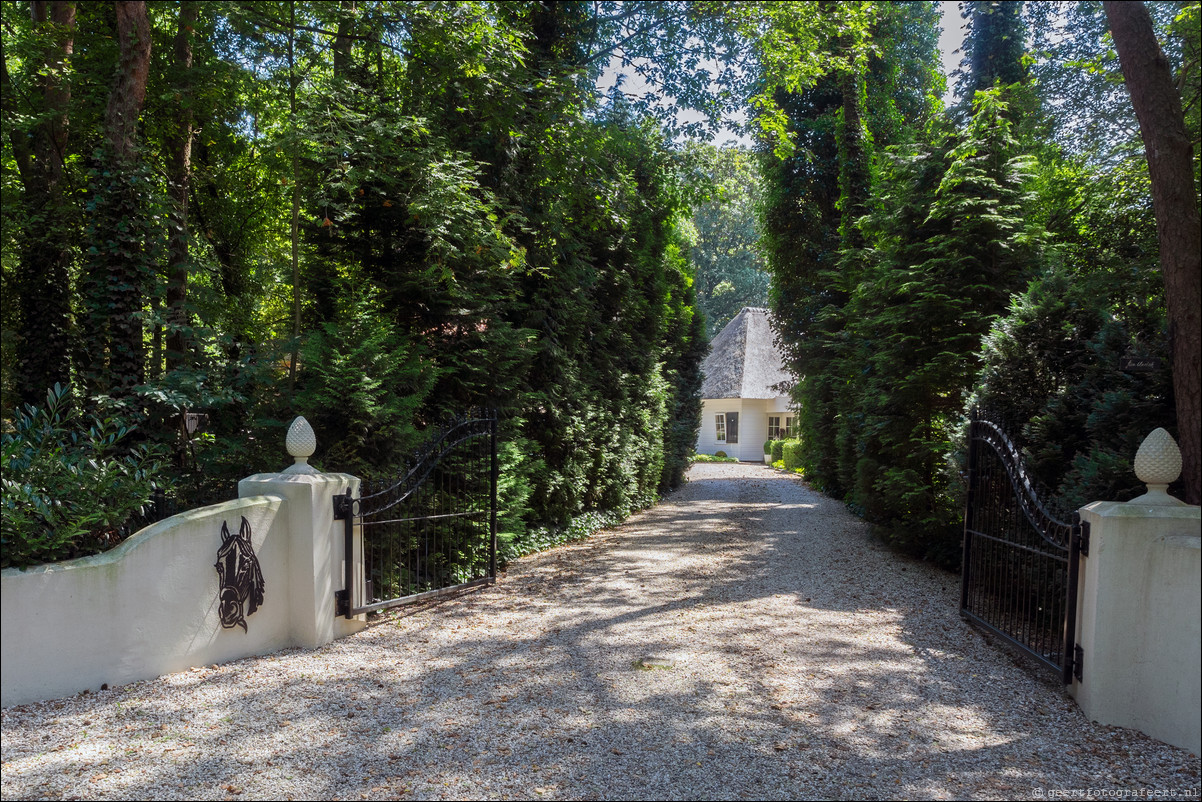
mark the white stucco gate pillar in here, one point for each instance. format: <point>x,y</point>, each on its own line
<point>1139,601</point>
<point>316,560</point>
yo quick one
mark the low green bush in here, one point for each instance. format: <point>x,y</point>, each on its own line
<point>791,451</point>
<point>778,450</point>
<point>719,453</point>
<point>713,458</point>
<point>542,538</point>
<point>69,483</point>
<point>767,446</point>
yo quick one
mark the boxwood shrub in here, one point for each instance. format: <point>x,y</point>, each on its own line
<point>791,450</point>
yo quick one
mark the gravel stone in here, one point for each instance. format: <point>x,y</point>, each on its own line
<point>745,639</point>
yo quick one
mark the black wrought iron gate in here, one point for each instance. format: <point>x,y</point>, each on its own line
<point>1019,577</point>
<point>430,530</point>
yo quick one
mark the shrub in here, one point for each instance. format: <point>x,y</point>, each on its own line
<point>719,453</point>
<point>778,450</point>
<point>361,384</point>
<point>767,446</point>
<point>68,483</point>
<point>713,458</point>
<point>791,449</point>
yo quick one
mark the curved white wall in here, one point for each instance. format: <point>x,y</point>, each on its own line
<point>150,606</point>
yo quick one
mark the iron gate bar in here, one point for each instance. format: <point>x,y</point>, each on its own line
<point>425,462</point>
<point>375,607</point>
<point>426,517</point>
<point>420,553</point>
<point>1011,582</point>
<point>1020,546</point>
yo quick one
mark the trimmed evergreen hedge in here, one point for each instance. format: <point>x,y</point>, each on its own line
<point>791,450</point>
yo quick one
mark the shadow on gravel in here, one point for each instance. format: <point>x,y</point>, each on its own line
<point>801,660</point>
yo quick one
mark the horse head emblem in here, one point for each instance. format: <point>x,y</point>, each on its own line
<point>239,575</point>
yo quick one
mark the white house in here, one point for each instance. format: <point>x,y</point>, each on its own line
<point>743,401</point>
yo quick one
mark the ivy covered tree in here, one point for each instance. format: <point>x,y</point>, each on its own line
<point>994,46</point>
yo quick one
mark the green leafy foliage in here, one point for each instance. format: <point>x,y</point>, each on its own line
<point>993,271</point>
<point>729,269</point>
<point>950,243</point>
<point>718,457</point>
<point>791,454</point>
<point>1052,373</point>
<point>69,482</point>
<point>361,389</point>
<point>474,227</point>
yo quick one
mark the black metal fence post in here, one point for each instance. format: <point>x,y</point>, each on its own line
<point>344,508</point>
<point>492,504</point>
<point>1071,667</point>
<point>969,508</point>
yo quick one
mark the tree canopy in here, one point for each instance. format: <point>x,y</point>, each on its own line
<point>377,214</point>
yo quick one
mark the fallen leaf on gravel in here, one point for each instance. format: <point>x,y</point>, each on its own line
<point>616,750</point>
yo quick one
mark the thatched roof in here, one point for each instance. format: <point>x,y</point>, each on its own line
<point>744,361</point>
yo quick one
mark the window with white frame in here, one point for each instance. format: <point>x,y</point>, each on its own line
<point>774,432</point>
<point>790,430</point>
<point>720,423</point>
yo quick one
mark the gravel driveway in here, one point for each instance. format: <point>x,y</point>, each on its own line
<point>744,639</point>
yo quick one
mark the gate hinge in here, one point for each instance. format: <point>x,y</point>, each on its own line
<point>342,505</point>
<point>1083,538</point>
<point>1078,659</point>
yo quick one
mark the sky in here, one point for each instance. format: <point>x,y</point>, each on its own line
<point>950,40</point>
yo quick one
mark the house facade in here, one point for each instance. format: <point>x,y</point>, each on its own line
<point>743,395</point>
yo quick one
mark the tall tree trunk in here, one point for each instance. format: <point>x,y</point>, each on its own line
<point>1149,79</point>
<point>43,351</point>
<point>179,168</point>
<point>855,158</point>
<point>126,271</point>
<point>293,80</point>
<point>129,86</point>
<point>342,42</point>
